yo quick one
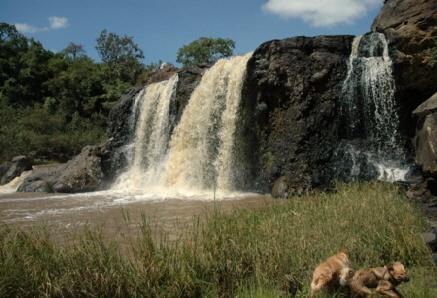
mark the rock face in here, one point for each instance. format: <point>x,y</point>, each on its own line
<point>292,92</point>
<point>410,27</point>
<point>120,122</point>
<point>426,136</point>
<point>3,170</point>
<point>18,166</point>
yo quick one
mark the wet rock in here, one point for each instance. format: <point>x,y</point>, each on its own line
<point>3,170</point>
<point>41,179</point>
<point>291,94</point>
<point>281,188</point>
<point>19,165</point>
<point>410,27</point>
<point>81,174</point>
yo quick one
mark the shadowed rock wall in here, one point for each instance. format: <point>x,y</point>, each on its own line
<point>292,90</point>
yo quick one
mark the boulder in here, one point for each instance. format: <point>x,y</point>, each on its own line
<point>41,179</point>
<point>426,136</point>
<point>281,188</point>
<point>3,170</point>
<point>81,174</point>
<point>18,166</point>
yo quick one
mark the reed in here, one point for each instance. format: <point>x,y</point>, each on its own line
<point>269,251</point>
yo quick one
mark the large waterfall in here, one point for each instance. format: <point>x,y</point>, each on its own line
<point>371,140</point>
<point>198,155</point>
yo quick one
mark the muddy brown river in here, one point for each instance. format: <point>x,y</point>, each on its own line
<point>72,211</point>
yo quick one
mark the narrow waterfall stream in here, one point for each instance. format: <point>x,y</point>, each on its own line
<point>371,147</point>
<point>197,157</point>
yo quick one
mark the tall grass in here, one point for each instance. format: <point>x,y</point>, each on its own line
<point>268,251</point>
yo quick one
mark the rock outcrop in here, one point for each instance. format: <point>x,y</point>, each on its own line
<point>81,174</point>
<point>410,27</point>
<point>41,179</point>
<point>426,136</point>
<point>292,91</point>
<point>19,165</point>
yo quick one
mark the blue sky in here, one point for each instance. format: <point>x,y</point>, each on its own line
<point>161,27</point>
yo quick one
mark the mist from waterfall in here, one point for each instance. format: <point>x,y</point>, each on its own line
<point>371,140</point>
<point>198,155</point>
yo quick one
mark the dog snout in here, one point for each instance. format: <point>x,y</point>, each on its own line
<point>406,279</point>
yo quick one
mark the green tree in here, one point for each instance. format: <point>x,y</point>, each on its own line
<point>74,50</point>
<point>121,55</point>
<point>23,68</point>
<point>205,50</point>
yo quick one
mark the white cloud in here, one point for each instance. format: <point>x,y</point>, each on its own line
<point>55,23</point>
<point>322,12</point>
<point>58,23</point>
<point>25,28</point>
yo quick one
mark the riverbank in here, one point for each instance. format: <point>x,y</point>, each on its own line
<point>224,251</point>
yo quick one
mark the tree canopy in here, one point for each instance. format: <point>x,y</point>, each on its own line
<point>121,55</point>
<point>205,50</point>
<point>53,104</point>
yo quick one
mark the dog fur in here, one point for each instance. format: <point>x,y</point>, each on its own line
<point>384,279</point>
<point>327,275</point>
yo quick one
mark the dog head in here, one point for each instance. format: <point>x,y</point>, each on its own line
<point>397,271</point>
<point>345,275</point>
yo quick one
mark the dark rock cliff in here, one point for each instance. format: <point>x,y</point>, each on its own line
<point>292,89</point>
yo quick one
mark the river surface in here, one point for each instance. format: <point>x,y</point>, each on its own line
<point>66,212</point>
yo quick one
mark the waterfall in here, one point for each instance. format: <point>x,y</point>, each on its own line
<point>148,153</point>
<point>371,141</point>
<point>198,156</point>
<point>201,149</point>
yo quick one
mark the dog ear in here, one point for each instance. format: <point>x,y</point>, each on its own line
<point>390,268</point>
<point>343,250</point>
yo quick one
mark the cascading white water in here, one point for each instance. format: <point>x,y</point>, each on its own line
<point>370,113</point>
<point>152,134</point>
<point>201,149</point>
<point>198,156</point>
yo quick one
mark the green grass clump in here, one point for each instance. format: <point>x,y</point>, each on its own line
<point>268,251</point>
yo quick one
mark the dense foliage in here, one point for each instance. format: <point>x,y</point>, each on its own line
<point>53,104</point>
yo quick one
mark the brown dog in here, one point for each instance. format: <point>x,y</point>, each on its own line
<point>327,275</point>
<point>383,279</point>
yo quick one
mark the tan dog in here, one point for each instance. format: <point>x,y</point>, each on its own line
<point>383,279</point>
<point>327,275</point>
